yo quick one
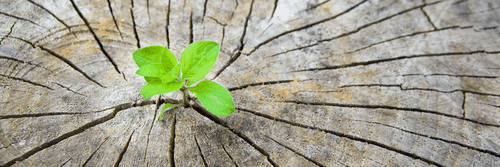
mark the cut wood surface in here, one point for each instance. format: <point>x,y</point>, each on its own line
<point>315,83</point>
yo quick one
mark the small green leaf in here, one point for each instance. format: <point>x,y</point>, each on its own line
<point>214,97</point>
<point>166,106</point>
<point>172,75</point>
<point>153,54</point>
<point>151,70</point>
<point>198,59</point>
<point>157,87</point>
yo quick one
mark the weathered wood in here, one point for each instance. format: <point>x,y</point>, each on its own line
<point>315,83</point>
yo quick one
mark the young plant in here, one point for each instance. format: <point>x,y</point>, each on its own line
<point>164,74</point>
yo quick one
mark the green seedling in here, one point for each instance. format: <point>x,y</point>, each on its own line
<point>165,74</point>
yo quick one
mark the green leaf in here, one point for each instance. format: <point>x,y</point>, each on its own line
<point>214,97</point>
<point>198,59</point>
<point>153,54</point>
<point>166,106</point>
<point>151,70</point>
<point>157,87</point>
<point>172,75</point>
<point>151,79</point>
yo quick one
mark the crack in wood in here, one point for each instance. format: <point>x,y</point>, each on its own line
<point>344,135</point>
<point>27,81</point>
<point>71,64</point>
<point>8,33</point>
<point>428,18</point>
<point>296,152</point>
<point>238,133</point>
<point>366,63</point>
<point>62,86</point>
<point>260,83</point>
<point>418,110</point>
<point>463,106</point>
<point>157,106</point>
<point>240,49</point>
<point>229,155</point>
<point>93,153</point>
<point>204,10</point>
<point>23,19</point>
<point>453,75</point>
<point>114,19</point>
<point>135,29</point>
<point>199,150</point>
<point>65,162</point>
<point>79,130</point>
<point>359,29</point>
<point>191,27</point>
<point>274,10</point>
<point>303,27</point>
<point>316,6</point>
<point>167,24</point>
<point>172,140</point>
<point>95,36</point>
<point>120,156</point>
<point>436,138</point>
<point>53,15</point>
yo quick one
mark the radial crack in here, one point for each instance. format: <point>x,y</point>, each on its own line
<point>303,27</point>
<point>453,75</point>
<point>199,149</point>
<point>394,59</point>
<point>191,28</point>
<point>437,138</point>
<point>95,36</point>
<point>8,33</point>
<point>238,133</point>
<point>274,10</point>
<point>463,105</point>
<point>27,81</point>
<point>70,64</point>
<point>428,18</point>
<point>62,86</point>
<point>204,10</point>
<point>23,19</point>
<point>317,5</point>
<point>227,153</point>
<point>390,108</point>
<point>259,83</point>
<point>120,156</point>
<point>172,141</point>
<point>114,19</point>
<point>135,29</point>
<point>296,152</point>
<point>79,130</point>
<point>158,102</point>
<point>168,22</point>
<point>53,15</point>
<point>344,135</point>
<point>238,53</point>
<point>93,153</point>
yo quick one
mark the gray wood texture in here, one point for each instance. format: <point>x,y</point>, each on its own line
<point>315,83</point>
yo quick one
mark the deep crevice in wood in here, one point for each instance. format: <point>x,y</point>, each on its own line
<point>274,10</point>
<point>428,18</point>
<point>114,19</point>
<point>295,151</point>
<point>240,49</point>
<point>238,133</point>
<point>79,130</point>
<point>135,29</point>
<point>199,150</point>
<point>157,106</point>
<point>171,142</point>
<point>167,24</point>
<point>259,83</point>
<point>343,135</point>
<point>191,28</point>
<point>101,47</point>
<point>120,156</point>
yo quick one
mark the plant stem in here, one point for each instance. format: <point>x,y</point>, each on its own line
<point>184,94</point>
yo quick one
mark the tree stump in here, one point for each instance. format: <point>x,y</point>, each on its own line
<point>315,83</point>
